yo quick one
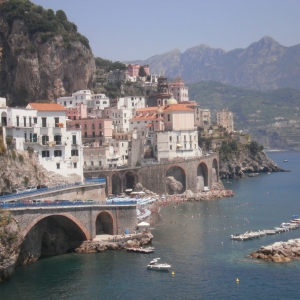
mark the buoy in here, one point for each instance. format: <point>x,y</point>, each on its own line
<point>237,280</point>
<point>173,273</point>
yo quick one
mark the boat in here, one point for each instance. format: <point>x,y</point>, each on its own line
<point>285,160</point>
<point>141,250</point>
<point>270,231</point>
<point>155,265</point>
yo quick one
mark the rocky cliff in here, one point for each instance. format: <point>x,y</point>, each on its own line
<point>42,57</point>
<point>9,244</point>
<point>19,169</point>
<point>263,65</point>
<point>237,164</point>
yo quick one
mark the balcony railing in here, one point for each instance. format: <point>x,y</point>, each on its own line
<point>32,125</point>
<point>41,142</point>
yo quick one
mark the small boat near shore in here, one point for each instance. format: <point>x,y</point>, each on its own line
<point>141,250</point>
<point>155,265</point>
<point>285,160</point>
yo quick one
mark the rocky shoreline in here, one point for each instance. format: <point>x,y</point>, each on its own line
<point>117,243</point>
<point>279,252</point>
<point>243,162</point>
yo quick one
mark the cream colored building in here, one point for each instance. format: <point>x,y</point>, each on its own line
<point>225,119</point>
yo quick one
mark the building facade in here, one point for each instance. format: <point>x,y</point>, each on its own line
<point>225,119</point>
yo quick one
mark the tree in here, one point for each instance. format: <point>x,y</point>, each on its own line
<point>142,72</point>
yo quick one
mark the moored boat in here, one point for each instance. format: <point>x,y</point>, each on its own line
<point>141,250</point>
<point>155,265</point>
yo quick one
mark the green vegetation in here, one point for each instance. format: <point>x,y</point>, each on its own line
<point>46,23</point>
<point>142,72</point>
<point>108,65</point>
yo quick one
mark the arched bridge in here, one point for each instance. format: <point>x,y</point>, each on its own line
<point>194,174</point>
<point>79,223</point>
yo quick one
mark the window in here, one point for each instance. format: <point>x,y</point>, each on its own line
<point>92,163</point>
<point>24,118</point>
<point>25,136</point>
<point>93,126</point>
<point>45,139</point>
<point>100,163</point>
<point>65,103</point>
<point>45,153</point>
<point>168,117</point>
<point>30,122</point>
<point>177,138</point>
<point>75,165</point>
<point>57,139</point>
<point>44,122</point>
<point>100,126</point>
<point>18,121</point>
<point>93,133</point>
<point>170,147</point>
<point>57,153</point>
<point>184,137</point>
<point>85,134</point>
<point>56,121</point>
<point>57,166</point>
<point>85,126</point>
<point>170,138</point>
<point>74,142</point>
<point>35,120</point>
<point>74,152</point>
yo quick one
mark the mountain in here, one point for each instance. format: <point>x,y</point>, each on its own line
<point>264,65</point>
<point>42,56</point>
<point>272,118</point>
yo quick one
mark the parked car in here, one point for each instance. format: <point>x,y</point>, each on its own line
<point>30,188</point>
<point>41,186</point>
<point>18,191</point>
<point>78,201</point>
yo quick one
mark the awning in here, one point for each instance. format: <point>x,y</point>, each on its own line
<point>61,125</point>
<point>143,224</point>
<point>128,190</point>
<point>179,146</point>
<point>149,125</point>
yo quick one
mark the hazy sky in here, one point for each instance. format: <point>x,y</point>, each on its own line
<point>137,29</point>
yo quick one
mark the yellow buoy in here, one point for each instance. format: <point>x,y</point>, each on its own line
<point>237,280</point>
<point>173,273</point>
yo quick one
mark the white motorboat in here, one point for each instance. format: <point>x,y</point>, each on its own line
<point>155,265</point>
<point>270,232</point>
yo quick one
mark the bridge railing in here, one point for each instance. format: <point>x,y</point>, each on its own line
<point>49,189</point>
<point>29,203</point>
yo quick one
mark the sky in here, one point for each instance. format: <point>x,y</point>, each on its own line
<point>124,30</point>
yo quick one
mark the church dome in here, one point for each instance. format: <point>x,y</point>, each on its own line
<point>172,101</point>
<point>159,110</point>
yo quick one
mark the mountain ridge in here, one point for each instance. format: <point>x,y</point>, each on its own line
<point>263,65</point>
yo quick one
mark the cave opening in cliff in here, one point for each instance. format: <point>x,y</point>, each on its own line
<point>129,181</point>
<point>175,181</point>
<point>202,176</point>
<point>104,224</point>
<point>116,184</point>
<point>52,235</point>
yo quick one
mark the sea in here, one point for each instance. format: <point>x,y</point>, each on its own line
<point>195,239</point>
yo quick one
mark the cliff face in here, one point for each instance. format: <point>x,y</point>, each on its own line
<point>40,67</point>
<point>245,162</point>
<point>9,244</point>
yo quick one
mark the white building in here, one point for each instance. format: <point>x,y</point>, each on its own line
<point>120,118</point>
<point>179,90</point>
<point>42,126</point>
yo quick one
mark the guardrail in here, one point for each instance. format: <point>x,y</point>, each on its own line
<point>49,189</point>
<point>28,203</point>
<point>120,202</point>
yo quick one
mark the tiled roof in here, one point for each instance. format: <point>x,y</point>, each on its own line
<point>46,106</point>
<point>179,107</point>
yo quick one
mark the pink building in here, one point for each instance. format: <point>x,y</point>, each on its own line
<point>133,70</point>
<point>77,113</point>
<point>93,129</point>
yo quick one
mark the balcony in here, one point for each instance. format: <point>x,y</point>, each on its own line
<point>41,142</point>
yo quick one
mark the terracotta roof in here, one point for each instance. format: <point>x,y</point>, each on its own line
<point>143,118</point>
<point>180,107</point>
<point>154,108</point>
<point>46,106</point>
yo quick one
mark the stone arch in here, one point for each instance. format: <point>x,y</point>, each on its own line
<point>175,180</point>
<point>67,220</point>
<point>104,223</point>
<point>49,235</point>
<point>130,180</point>
<point>116,184</point>
<point>215,171</point>
<point>202,176</point>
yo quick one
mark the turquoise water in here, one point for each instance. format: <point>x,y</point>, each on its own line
<point>195,240</point>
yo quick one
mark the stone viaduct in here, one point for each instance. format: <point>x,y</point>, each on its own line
<point>80,222</point>
<point>193,173</point>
